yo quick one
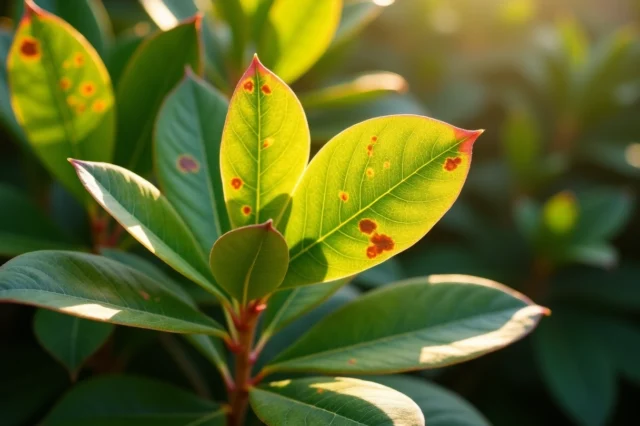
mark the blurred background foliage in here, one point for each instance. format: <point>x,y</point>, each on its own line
<point>549,207</point>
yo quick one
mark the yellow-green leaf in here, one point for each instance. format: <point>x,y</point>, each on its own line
<point>61,94</point>
<point>265,147</point>
<point>371,192</point>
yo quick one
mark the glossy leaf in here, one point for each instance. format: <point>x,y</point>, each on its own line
<point>440,406</point>
<point>286,306</point>
<point>167,14</point>
<point>436,321</point>
<point>93,287</point>
<point>148,216</point>
<point>24,228</point>
<point>187,157</point>
<point>133,401</point>
<point>70,340</point>
<point>297,33</point>
<point>142,89</point>
<point>337,401</point>
<point>371,192</point>
<point>61,94</point>
<point>124,46</point>
<point>357,90</point>
<point>212,349</point>
<point>265,147</point>
<point>250,262</point>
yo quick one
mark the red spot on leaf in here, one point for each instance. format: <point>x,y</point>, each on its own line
<point>65,83</point>
<point>30,48</point>
<point>319,390</point>
<point>450,164</point>
<point>371,252</point>
<point>248,85</point>
<point>87,89</point>
<point>367,226</point>
<point>236,183</point>
<point>343,196</point>
<point>370,150</point>
<point>246,210</point>
<point>266,89</point>
<point>352,361</point>
<point>379,244</point>
<point>188,164</point>
<point>99,106</point>
<point>374,139</point>
<point>267,143</point>
<point>144,295</point>
<point>78,59</point>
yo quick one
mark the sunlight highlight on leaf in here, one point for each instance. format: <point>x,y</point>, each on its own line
<point>91,310</point>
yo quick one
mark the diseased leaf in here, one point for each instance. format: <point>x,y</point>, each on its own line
<point>24,228</point>
<point>187,157</point>
<point>148,216</point>
<point>297,33</point>
<point>61,94</point>
<point>70,340</point>
<point>142,88</point>
<point>371,192</point>
<point>265,147</point>
<point>250,262</point>
<point>418,324</point>
<point>133,401</point>
<point>93,287</point>
<point>440,406</point>
<point>339,401</point>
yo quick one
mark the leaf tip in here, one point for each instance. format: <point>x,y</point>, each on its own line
<point>468,138</point>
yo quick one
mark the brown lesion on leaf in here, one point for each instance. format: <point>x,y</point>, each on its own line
<point>99,106</point>
<point>246,210</point>
<point>144,295</point>
<point>386,165</point>
<point>370,172</point>
<point>379,244</point>
<point>236,183</point>
<point>30,49</point>
<point>267,143</point>
<point>87,89</point>
<point>187,164</point>
<point>65,83</point>
<point>344,196</point>
<point>451,164</point>
<point>248,85</point>
<point>367,226</point>
<point>266,89</point>
<point>374,139</point>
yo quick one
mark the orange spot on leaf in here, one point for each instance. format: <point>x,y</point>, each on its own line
<point>371,252</point>
<point>99,106</point>
<point>367,226</point>
<point>87,89</point>
<point>380,243</point>
<point>72,100</point>
<point>266,89</point>
<point>81,107</point>
<point>30,49</point>
<point>78,59</point>
<point>386,165</point>
<point>65,83</point>
<point>374,139</point>
<point>248,85</point>
<point>370,172</point>
<point>188,164</point>
<point>319,390</point>
<point>352,361</point>
<point>144,295</point>
<point>343,196</point>
<point>450,164</point>
<point>370,150</point>
<point>236,183</point>
<point>267,143</point>
<point>246,210</point>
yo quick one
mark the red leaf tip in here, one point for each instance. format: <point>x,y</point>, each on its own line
<point>30,7</point>
<point>468,138</point>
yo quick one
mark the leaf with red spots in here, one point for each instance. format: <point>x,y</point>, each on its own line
<point>416,324</point>
<point>50,98</point>
<point>265,147</point>
<point>339,401</point>
<point>187,157</point>
<point>297,33</point>
<point>147,79</point>
<point>402,173</point>
<point>250,262</point>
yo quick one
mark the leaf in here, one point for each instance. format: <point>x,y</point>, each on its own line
<point>622,340</point>
<point>338,401</point>
<point>61,94</point>
<point>89,17</point>
<point>142,88</point>
<point>210,348</point>
<point>576,367</point>
<point>522,142</point>
<point>417,324</point>
<point>70,340</point>
<point>265,147</point>
<point>187,157</point>
<point>440,406</point>
<point>250,262</point>
<point>148,216</point>
<point>604,212</point>
<point>97,288</point>
<point>167,14</point>
<point>297,33</point>
<point>133,401</point>
<point>355,17</point>
<point>286,306</point>
<point>371,192</point>
<point>7,117</point>
<point>124,46</point>
<point>23,227</point>
<point>357,90</point>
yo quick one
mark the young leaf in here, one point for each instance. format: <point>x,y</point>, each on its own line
<point>421,323</point>
<point>24,228</point>
<point>142,89</point>
<point>70,340</point>
<point>265,147</point>
<point>338,401</point>
<point>133,401</point>
<point>250,262</point>
<point>187,157</point>
<point>61,94</point>
<point>101,289</point>
<point>371,192</point>
<point>440,406</point>
<point>148,216</point>
<point>297,33</point>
